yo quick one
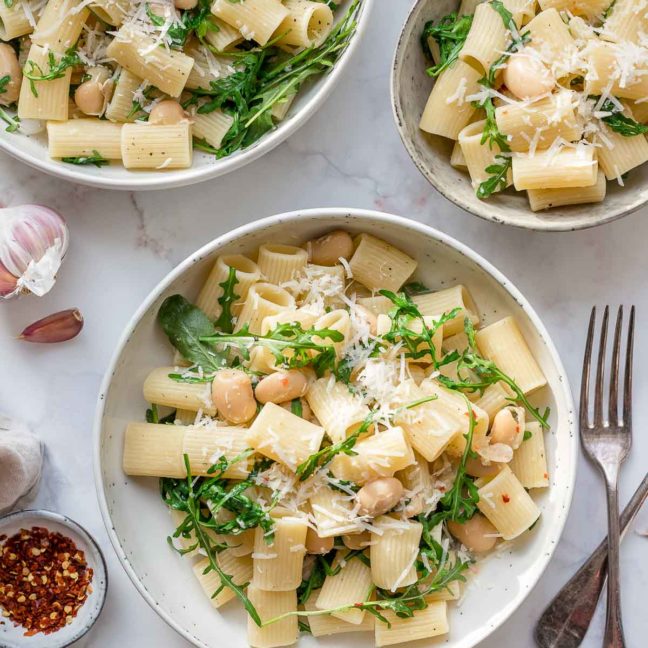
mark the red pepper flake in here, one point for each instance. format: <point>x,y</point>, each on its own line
<point>546,476</point>
<point>505,498</point>
<point>44,580</point>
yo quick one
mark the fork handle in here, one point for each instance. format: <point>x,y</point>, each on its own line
<point>613,637</point>
<point>566,619</point>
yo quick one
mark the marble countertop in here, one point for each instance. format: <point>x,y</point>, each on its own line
<point>349,154</point>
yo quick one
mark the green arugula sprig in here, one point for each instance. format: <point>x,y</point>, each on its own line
<point>491,135</point>
<point>620,123</point>
<point>57,69</point>
<point>291,345</point>
<point>225,321</point>
<point>323,457</point>
<point>195,21</point>
<point>322,568</point>
<point>185,326</point>
<point>450,34</point>
<point>96,159</point>
<point>488,373</point>
<point>12,123</point>
<point>9,3</point>
<point>459,504</point>
<point>417,344</point>
<point>4,82</point>
<point>188,500</point>
<point>266,77</point>
<point>220,493</point>
<point>403,604</point>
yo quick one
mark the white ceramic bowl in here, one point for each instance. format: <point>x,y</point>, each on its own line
<point>33,150</point>
<point>410,88</point>
<point>138,522</point>
<point>13,636</point>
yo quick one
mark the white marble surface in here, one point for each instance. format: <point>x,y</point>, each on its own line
<point>347,155</point>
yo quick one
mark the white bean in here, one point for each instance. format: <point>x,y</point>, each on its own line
<point>379,496</point>
<point>233,397</point>
<point>167,112</point>
<point>281,386</point>
<point>317,545</point>
<point>527,77</point>
<point>10,67</point>
<point>477,534</point>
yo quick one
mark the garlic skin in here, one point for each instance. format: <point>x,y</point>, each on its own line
<point>33,242</point>
<point>21,462</point>
<point>58,327</point>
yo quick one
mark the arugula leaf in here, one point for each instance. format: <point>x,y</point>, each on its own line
<point>296,407</point>
<point>488,373</point>
<point>57,69</point>
<point>13,123</point>
<point>191,379</point>
<point>450,34</point>
<point>527,435</point>
<point>291,345</point>
<point>404,604</point>
<point>96,159</point>
<point>491,135</point>
<point>498,179</point>
<point>186,326</point>
<point>620,123</point>
<point>415,288</point>
<point>459,504</point>
<point>4,82</point>
<point>324,456</point>
<point>266,77</point>
<point>507,16</point>
<point>416,344</point>
<point>225,321</point>
<point>9,3</point>
<point>181,495</point>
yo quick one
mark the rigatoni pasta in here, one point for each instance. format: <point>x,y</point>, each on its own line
<point>370,461</point>
<point>218,74</point>
<point>540,100</point>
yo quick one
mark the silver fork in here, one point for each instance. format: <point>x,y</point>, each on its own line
<point>607,443</point>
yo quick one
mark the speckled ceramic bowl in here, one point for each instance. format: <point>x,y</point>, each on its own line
<point>410,88</point>
<point>32,150</point>
<point>13,636</point>
<point>138,522</point>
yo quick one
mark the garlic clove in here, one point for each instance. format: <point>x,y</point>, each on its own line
<point>57,327</point>
<point>33,242</point>
<point>8,283</point>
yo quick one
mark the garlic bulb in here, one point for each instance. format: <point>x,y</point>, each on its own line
<point>33,242</point>
<point>21,461</point>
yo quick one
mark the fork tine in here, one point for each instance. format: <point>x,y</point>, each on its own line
<point>585,380</point>
<point>613,407</point>
<point>600,370</point>
<point>627,386</point>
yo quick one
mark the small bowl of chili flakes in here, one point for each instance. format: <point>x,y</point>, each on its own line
<point>53,580</point>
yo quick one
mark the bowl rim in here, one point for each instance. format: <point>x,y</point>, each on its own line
<point>66,521</point>
<point>483,210</point>
<point>335,213</point>
<point>193,175</point>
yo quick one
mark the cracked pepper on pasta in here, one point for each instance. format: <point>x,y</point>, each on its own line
<point>338,444</point>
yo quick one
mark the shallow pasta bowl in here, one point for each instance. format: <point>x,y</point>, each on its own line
<point>138,522</point>
<point>32,150</point>
<point>410,88</point>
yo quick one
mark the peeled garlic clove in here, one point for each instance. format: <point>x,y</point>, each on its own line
<point>33,242</point>
<point>58,327</point>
